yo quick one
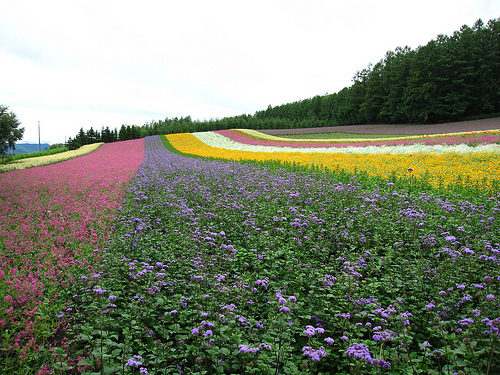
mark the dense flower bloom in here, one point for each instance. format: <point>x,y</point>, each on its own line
<point>284,309</point>
<point>329,340</point>
<point>359,351</point>
<point>315,355</point>
<point>208,333</point>
<point>134,361</point>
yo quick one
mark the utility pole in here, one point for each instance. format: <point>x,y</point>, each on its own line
<point>39,146</point>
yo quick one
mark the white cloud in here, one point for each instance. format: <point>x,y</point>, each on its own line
<point>73,64</point>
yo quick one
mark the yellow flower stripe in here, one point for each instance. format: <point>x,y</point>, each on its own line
<point>440,170</point>
<point>266,137</point>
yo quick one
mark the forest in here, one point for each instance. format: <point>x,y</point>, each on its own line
<point>451,78</point>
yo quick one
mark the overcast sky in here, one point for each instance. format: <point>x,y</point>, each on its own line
<point>72,64</point>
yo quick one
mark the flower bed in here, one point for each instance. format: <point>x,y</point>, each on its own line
<point>222,267</point>
<point>492,135</point>
<point>216,139</point>
<point>470,139</point>
<point>55,219</point>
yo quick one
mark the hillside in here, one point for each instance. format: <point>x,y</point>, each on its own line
<point>28,148</point>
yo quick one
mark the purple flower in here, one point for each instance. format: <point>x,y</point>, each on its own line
<point>208,333</point>
<point>195,331</point>
<point>359,351</point>
<point>315,355</point>
<point>465,322</point>
<point>134,361</point>
<point>490,297</point>
<point>344,315</point>
<point>246,348</point>
<point>112,297</point>
<point>100,291</point>
<point>329,340</point>
<point>309,331</point>
<point>283,309</point>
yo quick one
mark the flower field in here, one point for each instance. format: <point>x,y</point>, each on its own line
<point>55,218</point>
<point>217,266</point>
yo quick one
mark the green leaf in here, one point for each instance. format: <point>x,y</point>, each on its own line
<point>60,365</point>
<point>85,362</point>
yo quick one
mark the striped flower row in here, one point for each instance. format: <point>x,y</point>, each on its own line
<point>253,137</point>
<point>215,139</point>
<point>487,135</point>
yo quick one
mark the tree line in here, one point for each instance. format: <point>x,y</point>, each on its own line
<point>106,135</point>
<point>451,78</point>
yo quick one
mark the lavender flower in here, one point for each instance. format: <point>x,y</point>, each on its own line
<point>134,361</point>
<point>208,333</point>
<point>359,351</point>
<point>329,340</point>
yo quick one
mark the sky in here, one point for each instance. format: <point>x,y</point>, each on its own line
<point>79,64</point>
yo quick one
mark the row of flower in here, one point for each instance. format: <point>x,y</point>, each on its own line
<point>445,166</point>
<point>479,137</point>
<point>49,159</point>
<point>222,139</point>
<point>225,267</point>
<point>54,220</point>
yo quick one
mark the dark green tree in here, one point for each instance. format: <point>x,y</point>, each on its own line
<point>10,132</point>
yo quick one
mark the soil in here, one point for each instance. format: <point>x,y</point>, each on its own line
<point>450,127</point>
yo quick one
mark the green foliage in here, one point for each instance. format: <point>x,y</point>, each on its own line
<point>56,145</point>
<point>10,132</point>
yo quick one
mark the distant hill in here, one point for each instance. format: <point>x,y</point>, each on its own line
<point>28,148</point>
